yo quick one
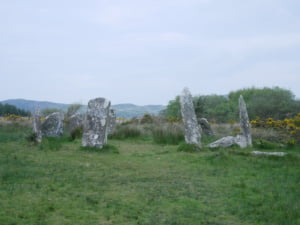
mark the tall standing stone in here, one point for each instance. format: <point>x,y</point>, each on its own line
<point>36,125</point>
<point>112,121</point>
<point>192,129</point>
<point>244,122</point>
<point>53,126</point>
<point>96,122</point>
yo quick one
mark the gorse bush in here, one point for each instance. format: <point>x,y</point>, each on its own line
<point>147,118</point>
<point>288,129</point>
<point>168,134</point>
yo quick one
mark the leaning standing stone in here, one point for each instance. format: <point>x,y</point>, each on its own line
<point>95,124</point>
<point>74,122</point>
<point>53,126</point>
<point>192,129</point>
<point>36,126</point>
<point>244,122</point>
<point>206,128</point>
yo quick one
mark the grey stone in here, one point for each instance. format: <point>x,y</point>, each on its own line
<point>223,142</point>
<point>206,128</point>
<point>53,125</point>
<point>191,127</point>
<point>36,125</point>
<point>228,141</point>
<point>240,140</point>
<point>73,122</point>
<point>112,121</point>
<point>96,122</point>
<point>269,153</point>
<point>244,122</point>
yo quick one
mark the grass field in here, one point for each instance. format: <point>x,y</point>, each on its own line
<point>138,182</point>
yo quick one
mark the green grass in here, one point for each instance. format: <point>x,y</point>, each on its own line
<point>143,184</point>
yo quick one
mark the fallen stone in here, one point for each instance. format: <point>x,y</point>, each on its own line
<point>224,142</point>
<point>268,153</point>
<point>228,141</point>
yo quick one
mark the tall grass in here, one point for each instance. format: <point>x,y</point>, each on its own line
<point>169,133</point>
<point>126,131</point>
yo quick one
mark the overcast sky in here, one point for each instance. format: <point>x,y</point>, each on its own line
<point>146,51</point>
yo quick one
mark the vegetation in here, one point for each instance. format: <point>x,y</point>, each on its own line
<point>47,111</point>
<point>7,109</point>
<point>126,131</point>
<point>184,147</point>
<point>288,129</point>
<point>73,109</point>
<point>168,133</point>
<point>276,103</point>
<point>58,182</point>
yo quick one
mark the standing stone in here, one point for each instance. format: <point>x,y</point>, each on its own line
<point>96,122</point>
<point>192,129</point>
<point>74,122</point>
<point>36,126</point>
<point>244,122</point>
<point>112,121</point>
<point>53,126</point>
<point>206,128</point>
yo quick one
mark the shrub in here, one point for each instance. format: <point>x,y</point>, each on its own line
<point>76,133</point>
<point>32,137</point>
<point>289,129</point>
<point>264,144</point>
<point>147,118</point>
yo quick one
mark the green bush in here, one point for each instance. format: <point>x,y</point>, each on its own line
<point>264,144</point>
<point>31,137</point>
<point>147,118</point>
<point>76,133</point>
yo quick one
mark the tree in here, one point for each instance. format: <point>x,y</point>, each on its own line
<point>277,103</point>
<point>173,109</point>
<point>6,109</point>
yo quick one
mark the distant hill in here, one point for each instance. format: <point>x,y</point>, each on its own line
<point>122,110</point>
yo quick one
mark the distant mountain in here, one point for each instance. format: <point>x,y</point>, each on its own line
<point>30,105</point>
<point>122,110</point>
